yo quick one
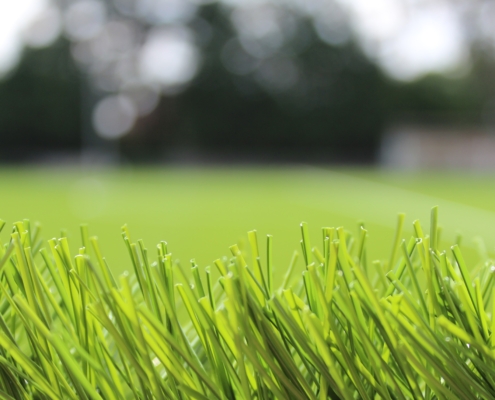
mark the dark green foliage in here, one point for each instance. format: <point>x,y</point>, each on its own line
<point>40,104</point>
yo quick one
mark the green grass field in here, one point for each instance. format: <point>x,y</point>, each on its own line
<point>200,212</point>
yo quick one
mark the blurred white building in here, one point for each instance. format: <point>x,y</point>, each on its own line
<point>425,147</point>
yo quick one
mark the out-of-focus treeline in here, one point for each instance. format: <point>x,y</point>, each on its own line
<point>311,99</point>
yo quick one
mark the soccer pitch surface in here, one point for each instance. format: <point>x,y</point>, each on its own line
<point>200,212</point>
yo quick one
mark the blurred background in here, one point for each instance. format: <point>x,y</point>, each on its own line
<point>187,102</point>
<point>330,81</point>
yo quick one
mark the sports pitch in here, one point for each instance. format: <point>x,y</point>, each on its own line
<point>200,212</point>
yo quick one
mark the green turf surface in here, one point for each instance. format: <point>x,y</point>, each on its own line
<point>200,212</point>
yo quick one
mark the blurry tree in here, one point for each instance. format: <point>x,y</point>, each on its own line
<point>40,105</point>
<point>171,79</point>
<point>310,101</point>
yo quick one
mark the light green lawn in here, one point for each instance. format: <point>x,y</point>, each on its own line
<point>200,212</point>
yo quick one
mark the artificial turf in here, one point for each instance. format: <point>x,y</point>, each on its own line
<point>200,212</point>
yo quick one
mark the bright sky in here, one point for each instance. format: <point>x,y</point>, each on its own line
<point>15,17</point>
<point>410,40</point>
<point>407,40</point>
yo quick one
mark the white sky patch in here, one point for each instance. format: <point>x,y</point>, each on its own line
<point>408,38</point>
<point>377,19</point>
<point>432,41</point>
<point>44,29</point>
<point>15,16</point>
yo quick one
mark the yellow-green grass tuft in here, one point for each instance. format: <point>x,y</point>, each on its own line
<point>419,325</point>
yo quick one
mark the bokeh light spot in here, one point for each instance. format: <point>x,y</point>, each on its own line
<point>84,19</point>
<point>169,58</point>
<point>114,116</point>
<point>44,29</point>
